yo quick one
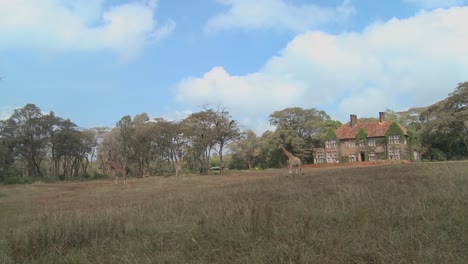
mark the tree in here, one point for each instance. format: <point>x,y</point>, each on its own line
<point>88,149</point>
<point>409,118</point>
<point>198,128</point>
<point>30,137</point>
<point>247,148</point>
<point>225,130</point>
<point>269,155</point>
<point>445,124</point>
<point>300,129</point>
<point>126,135</point>
<point>7,146</point>
<point>306,123</point>
<point>167,142</point>
<point>142,143</point>
<point>38,144</point>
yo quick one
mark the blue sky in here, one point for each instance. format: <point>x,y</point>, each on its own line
<point>94,61</point>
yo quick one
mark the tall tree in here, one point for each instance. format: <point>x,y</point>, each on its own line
<point>299,129</point>
<point>141,143</point>
<point>7,149</point>
<point>126,134</point>
<point>30,134</point>
<point>246,148</point>
<point>198,128</point>
<point>445,123</point>
<point>225,130</point>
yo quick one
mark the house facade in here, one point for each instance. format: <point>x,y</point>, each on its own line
<point>366,141</point>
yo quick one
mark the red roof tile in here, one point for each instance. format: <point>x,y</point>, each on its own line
<point>373,129</point>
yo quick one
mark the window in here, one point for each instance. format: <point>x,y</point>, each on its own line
<point>371,142</point>
<point>394,154</point>
<point>352,158</point>
<point>394,139</point>
<point>320,157</point>
<point>352,143</point>
<point>372,156</point>
<point>330,144</point>
<point>331,157</point>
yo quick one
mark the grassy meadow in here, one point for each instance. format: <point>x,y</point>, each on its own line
<point>398,213</point>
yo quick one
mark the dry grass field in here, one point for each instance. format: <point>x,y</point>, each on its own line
<point>397,213</point>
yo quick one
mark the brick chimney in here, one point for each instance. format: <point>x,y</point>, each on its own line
<point>381,117</point>
<point>353,119</point>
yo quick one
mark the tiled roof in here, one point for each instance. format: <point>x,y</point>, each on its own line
<point>373,129</point>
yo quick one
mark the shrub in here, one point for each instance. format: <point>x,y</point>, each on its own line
<point>18,180</point>
<point>438,155</point>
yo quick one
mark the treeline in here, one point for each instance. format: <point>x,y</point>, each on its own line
<point>41,145</point>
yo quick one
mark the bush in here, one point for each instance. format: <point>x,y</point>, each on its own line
<point>19,180</point>
<point>438,155</point>
<point>100,176</point>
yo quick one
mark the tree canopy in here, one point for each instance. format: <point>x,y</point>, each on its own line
<point>445,124</point>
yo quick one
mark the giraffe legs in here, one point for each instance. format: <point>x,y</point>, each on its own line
<point>117,179</point>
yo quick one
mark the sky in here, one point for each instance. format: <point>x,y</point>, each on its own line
<point>95,61</point>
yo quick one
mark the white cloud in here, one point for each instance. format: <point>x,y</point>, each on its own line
<point>432,4</point>
<point>397,64</point>
<point>85,25</point>
<point>276,14</point>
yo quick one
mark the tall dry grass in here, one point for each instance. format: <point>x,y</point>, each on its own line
<point>403,213</point>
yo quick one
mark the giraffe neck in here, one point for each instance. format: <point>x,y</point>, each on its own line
<point>287,152</point>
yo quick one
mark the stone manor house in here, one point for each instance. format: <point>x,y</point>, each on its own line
<point>366,141</point>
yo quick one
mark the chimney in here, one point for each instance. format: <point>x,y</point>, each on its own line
<point>353,120</point>
<point>381,117</point>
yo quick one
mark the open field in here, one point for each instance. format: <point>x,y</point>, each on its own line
<point>399,213</point>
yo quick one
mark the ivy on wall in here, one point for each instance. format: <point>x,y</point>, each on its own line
<point>331,135</point>
<point>394,130</point>
<point>361,135</point>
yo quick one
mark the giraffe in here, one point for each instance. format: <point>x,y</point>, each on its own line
<point>179,163</point>
<point>119,169</point>
<point>293,161</point>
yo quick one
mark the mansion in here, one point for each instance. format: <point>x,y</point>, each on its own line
<point>366,141</point>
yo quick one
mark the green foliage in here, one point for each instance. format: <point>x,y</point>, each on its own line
<point>362,134</point>
<point>246,150</point>
<point>414,143</point>
<point>237,163</point>
<point>445,125</point>
<point>19,180</point>
<point>30,139</point>
<point>395,130</point>
<point>331,135</point>
<point>296,123</point>
<point>298,130</point>
<point>438,155</point>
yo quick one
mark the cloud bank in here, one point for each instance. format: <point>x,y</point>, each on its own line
<point>276,14</point>
<point>84,25</point>
<point>397,64</point>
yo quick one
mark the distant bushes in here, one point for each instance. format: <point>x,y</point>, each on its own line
<point>19,180</point>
